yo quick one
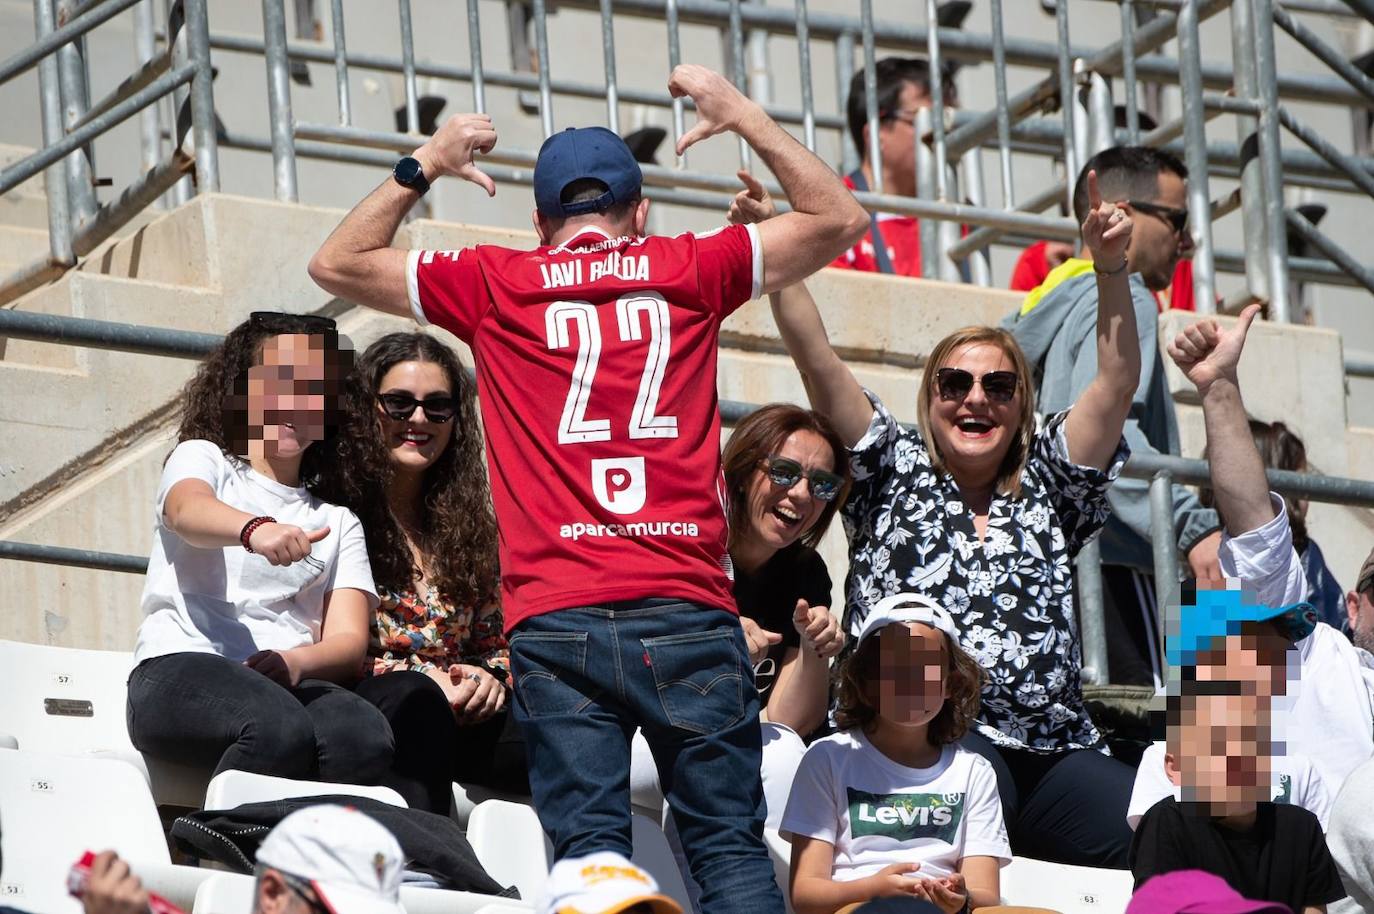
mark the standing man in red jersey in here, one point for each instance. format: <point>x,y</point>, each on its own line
<point>596,366</point>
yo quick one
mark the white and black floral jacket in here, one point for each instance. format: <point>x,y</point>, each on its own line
<point>1012,596</point>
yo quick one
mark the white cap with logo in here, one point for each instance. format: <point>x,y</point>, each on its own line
<point>349,859</point>
<point>602,883</point>
<point>907,607</point>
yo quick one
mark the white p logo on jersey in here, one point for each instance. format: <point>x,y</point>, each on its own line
<point>618,483</point>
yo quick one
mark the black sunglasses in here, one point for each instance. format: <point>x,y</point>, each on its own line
<point>401,407</point>
<point>1178,218</point>
<point>305,892</point>
<point>785,472</point>
<point>291,323</point>
<point>955,384</point>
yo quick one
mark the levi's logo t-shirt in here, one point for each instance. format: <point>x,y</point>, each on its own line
<point>596,372</point>
<point>906,816</point>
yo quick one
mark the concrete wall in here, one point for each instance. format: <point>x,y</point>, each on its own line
<point>91,454</point>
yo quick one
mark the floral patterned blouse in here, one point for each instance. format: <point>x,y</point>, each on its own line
<point>411,632</point>
<point>1011,595</point>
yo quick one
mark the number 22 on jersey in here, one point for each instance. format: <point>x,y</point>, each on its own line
<point>633,312</point>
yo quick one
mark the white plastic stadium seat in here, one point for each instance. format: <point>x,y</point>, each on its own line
<point>234,788</point>
<point>654,855</point>
<point>507,838</point>
<point>1065,888</point>
<point>71,701</point>
<point>56,807</point>
<point>467,797</point>
<point>227,893</point>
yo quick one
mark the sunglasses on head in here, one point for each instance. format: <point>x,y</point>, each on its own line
<point>785,472</point>
<point>955,384</point>
<point>1178,218</point>
<point>401,407</point>
<point>291,323</point>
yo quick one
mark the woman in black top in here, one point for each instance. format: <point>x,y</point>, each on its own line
<point>985,514</point>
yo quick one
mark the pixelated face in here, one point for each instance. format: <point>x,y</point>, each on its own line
<point>417,441</point>
<point>1259,660</point>
<point>778,515</point>
<point>913,662</point>
<point>1360,613</point>
<point>286,396</point>
<point>973,429</point>
<point>1219,752</point>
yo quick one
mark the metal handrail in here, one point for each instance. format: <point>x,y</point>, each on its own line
<point>76,223</point>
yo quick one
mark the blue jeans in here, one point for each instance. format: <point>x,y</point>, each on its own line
<point>587,677</point>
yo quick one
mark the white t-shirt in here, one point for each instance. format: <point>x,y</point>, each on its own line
<point>876,812</point>
<point>229,601</point>
<point>1328,715</point>
<point>1296,781</point>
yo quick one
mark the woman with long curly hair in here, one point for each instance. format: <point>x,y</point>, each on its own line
<point>410,463</point>
<point>259,594</point>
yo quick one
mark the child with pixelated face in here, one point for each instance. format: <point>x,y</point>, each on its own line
<point>906,695</point>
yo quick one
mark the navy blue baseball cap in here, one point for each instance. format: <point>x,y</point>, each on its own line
<point>584,152</point>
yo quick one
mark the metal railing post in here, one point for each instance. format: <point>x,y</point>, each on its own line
<point>74,81</point>
<point>479,81</point>
<point>937,102</point>
<point>1255,225</point>
<point>850,155</point>
<point>1101,115</point>
<point>675,58</point>
<point>412,91</point>
<point>1066,99</point>
<point>972,165</point>
<point>54,181</point>
<point>1091,622</point>
<point>1162,541</point>
<point>1195,155</point>
<point>737,68</point>
<point>1271,157</point>
<point>1128,83</point>
<point>203,98</point>
<point>149,126</point>
<point>804,68</point>
<point>541,42</point>
<point>174,15</point>
<point>932,253</point>
<point>336,18</point>
<point>875,155</point>
<point>999,73</point>
<point>608,61</point>
<point>279,100</point>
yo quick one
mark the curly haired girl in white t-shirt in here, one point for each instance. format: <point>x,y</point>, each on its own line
<point>891,805</point>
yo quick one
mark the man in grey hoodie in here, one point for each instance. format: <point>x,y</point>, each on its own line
<point>1056,327</point>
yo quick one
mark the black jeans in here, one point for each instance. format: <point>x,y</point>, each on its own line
<point>433,750</point>
<point>1069,807</point>
<point>209,711</point>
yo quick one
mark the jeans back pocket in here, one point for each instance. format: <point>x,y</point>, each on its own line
<point>699,678</point>
<point>550,672</point>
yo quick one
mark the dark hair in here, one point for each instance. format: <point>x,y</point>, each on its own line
<point>857,673</point>
<point>1125,173</point>
<point>584,189</point>
<point>457,526</point>
<point>760,435</point>
<point>891,74</point>
<point>1279,449</point>
<point>214,403</point>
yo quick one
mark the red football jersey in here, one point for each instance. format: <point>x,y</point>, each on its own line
<point>901,235</point>
<point>596,373</point>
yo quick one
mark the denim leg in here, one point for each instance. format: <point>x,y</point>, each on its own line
<point>207,711</point>
<point>699,711</point>
<point>577,733</point>
<point>353,741</point>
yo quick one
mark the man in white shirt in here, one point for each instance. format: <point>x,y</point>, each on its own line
<point>1329,704</point>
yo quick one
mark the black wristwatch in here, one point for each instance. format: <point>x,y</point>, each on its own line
<point>408,173</point>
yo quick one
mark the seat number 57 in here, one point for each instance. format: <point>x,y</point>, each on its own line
<point>634,313</point>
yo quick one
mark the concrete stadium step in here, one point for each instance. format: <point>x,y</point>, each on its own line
<point>21,209</point>
<point>23,244</point>
<point>9,154</point>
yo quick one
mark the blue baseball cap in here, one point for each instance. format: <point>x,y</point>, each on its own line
<point>584,152</point>
<point>1214,614</point>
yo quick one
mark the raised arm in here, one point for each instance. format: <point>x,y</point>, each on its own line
<point>1093,427</point>
<point>1208,355</point>
<point>825,220</point>
<point>357,262</point>
<point>830,385</point>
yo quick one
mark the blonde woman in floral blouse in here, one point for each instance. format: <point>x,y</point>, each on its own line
<point>410,466</point>
<point>982,512</point>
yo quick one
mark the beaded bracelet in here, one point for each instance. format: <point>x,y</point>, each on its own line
<point>251,526</point>
<point>1106,273</point>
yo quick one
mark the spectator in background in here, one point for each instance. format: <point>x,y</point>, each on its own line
<point>1359,607</point>
<point>409,464</point>
<point>1056,327</point>
<point>1330,708</point>
<point>1351,840</point>
<point>319,859</point>
<point>892,243</point>
<point>892,805</point>
<point>597,382</point>
<point>259,596</point>
<point>984,514</point>
<point>1280,449</point>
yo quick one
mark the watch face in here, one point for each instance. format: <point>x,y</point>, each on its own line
<point>407,170</point>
